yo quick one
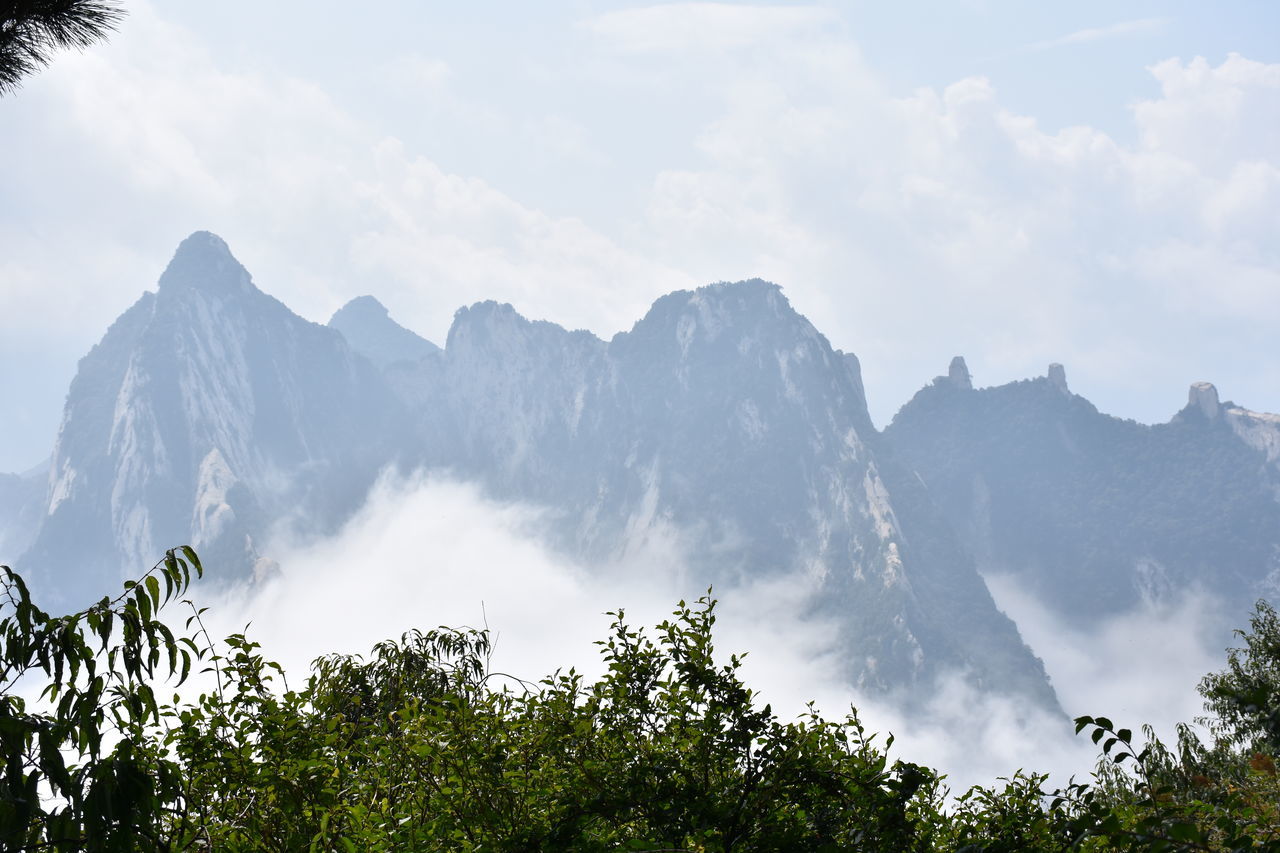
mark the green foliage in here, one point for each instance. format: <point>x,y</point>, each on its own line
<point>421,745</point>
<point>1224,795</point>
<point>1244,700</point>
<point>1165,802</point>
<point>414,748</point>
<point>81,769</point>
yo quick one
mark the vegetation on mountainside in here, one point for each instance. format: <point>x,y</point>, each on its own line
<point>1045,486</point>
<point>422,746</point>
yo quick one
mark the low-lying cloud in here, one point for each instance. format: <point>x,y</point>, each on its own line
<point>1138,667</point>
<point>427,551</point>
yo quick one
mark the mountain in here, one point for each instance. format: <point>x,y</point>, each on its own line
<point>721,438</point>
<point>21,504</point>
<point>208,414</point>
<point>1096,514</point>
<point>725,423</point>
<point>722,429</point>
<point>369,329</point>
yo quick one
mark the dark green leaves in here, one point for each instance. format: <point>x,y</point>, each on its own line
<point>95,665</point>
<point>31,31</point>
<point>422,746</point>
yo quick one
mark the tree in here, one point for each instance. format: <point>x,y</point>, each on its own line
<point>98,708</point>
<point>31,31</point>
<point>1219,795</point>
<point>422,746</point>
<point>1244,699</point>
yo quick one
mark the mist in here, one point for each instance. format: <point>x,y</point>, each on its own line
<point>427,551</point>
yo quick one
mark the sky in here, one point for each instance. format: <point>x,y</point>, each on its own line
<point>1096,184</point>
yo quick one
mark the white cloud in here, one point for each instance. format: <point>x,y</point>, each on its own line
<point>1121,29</point>
<point>1214,118</point>
<point>909,227</point>
<point>414,71</point>
<point>684,27</point>
<point>1139,667</point>
<point>315,202</point>
<point>425,552</point>
<point>918,227</point>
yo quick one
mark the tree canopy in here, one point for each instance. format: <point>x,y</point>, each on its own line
<point>422,745</point>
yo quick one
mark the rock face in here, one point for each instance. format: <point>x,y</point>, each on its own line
<point>370,331</point>
<point>21,504</point>
<point>958,373</point>
<point>1058,378</point>
<point>722,427</point>
<point>208,413</point>
<point>725,421</point>
<point>1258,430</point>
<point>1096,513</point>
<point>1203,397</point>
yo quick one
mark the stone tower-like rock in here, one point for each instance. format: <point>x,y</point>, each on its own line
<point>1058,377</point>
<point>1204,396</point>
<point>958,373</point>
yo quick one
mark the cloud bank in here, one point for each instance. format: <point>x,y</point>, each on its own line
<point>426,551</point>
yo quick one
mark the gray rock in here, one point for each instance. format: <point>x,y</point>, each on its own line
<point>958,373</point>
<point>207,413</point>
<point>1058,378</point>
<point>1203,396</point>
<point>370,331</point>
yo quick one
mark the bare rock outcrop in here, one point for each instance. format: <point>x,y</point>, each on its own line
<point>958,373</point>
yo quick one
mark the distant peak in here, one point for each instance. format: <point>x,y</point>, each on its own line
<point>368,328</point>
<point>361,306</point>
<point>750,285</point>
<point>202,245</point>
<point>958,373</point>
<point>1058,377</point>
<point>739,295</point>
<point>1204,396</point>
<point>203,261</point>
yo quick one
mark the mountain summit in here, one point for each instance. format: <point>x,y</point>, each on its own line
<point>203,261</point>
<point>368,327</point>
<point>1093,513</point>
<point>722,433</point>
<point>725,422</point>
<point>208,413</point>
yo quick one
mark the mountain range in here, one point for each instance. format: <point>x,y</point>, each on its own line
<point>211,414</point>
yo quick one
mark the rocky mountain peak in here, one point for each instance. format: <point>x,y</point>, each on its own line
<point>204,262</point>
<point>368,328</point>
<point>1058,377</point>
<point>484,323</point>
<point>1204,396</point>
<point>721,322</point>
<point>958,374</point>
<point>362,307</point>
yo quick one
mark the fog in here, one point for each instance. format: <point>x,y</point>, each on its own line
<point>428,551</point>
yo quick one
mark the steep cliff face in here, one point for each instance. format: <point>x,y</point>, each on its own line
<point>722,430</point>
<point>1259,430</point>
<point>724,421</point>
<point>21,505</point>
<point>1095,513</point>
<point>208,412</point>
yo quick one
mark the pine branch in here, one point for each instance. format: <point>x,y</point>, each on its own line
<point>32,31</point>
